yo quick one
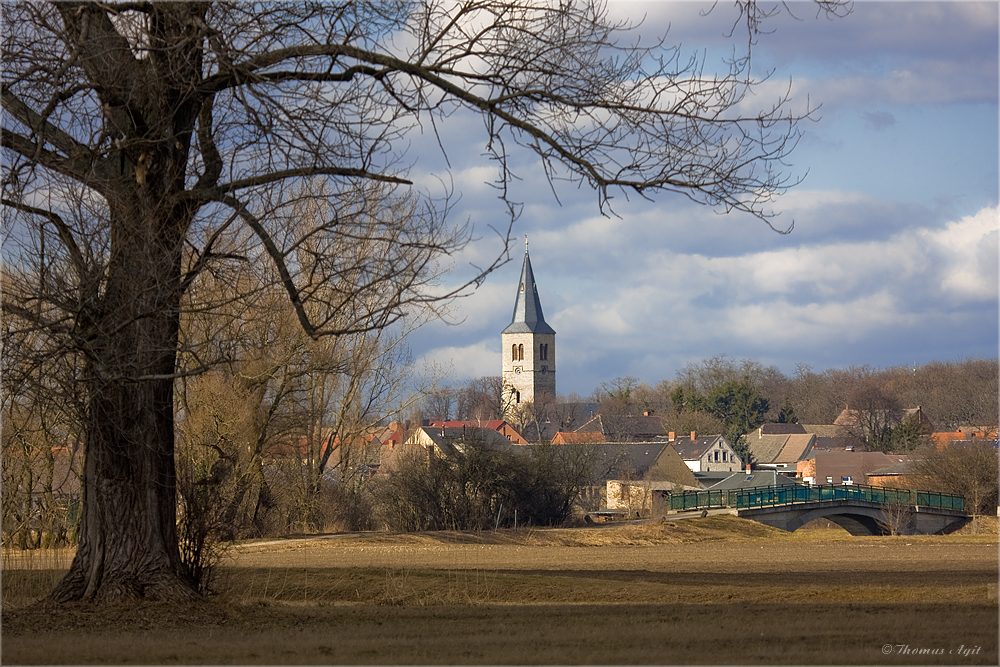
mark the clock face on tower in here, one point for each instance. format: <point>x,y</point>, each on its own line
<point>517,370</point>
<point>545,369</point>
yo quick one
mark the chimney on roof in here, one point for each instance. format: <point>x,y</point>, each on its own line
<point>647,413</point>
<point>694,436</point>
<point>672,436</point>
<point>748,467</point>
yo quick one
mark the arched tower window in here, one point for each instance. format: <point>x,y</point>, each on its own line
<point>543,351</point>
<point>520,352</point>
<point>513,352</point>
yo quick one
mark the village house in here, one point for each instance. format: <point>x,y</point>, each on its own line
<point>831,437</point>
<point>625,428</point>
<point>445,440</point>
<point>899,475</point>
<point>45,505</point>
<point>844,467</point>
<point>751,479</point>
<point>636,475</point>
<point>944,439</point>
<point>780,446</point>
<point>498,425</point>
<point>706,453</point>
<point>854,420</point>
<point>426,442</point>
<point>574,438</point>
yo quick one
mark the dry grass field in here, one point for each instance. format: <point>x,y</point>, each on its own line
<point>718,590</point>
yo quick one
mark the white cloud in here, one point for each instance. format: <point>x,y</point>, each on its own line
<point>467,361</point>
<point>966,252</point>
<point>875,268</point>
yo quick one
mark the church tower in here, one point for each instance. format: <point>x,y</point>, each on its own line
<point>528,346</point>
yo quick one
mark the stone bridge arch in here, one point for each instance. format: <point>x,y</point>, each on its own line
<point>860,517</point>
<point>855,520</point>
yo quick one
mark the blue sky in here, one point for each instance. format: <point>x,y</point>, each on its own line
<point>894,255</point>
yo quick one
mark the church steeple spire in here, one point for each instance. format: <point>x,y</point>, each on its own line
<point>529,347</point>
<point>528,316</point>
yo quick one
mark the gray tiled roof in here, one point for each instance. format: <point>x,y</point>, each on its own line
<point>528,316</point>
<point>741,480</point>
<point>620,460</point>
<point>900,468</point>
<point>620,428</point>
<point>692,450</point>
<point>775,428</point>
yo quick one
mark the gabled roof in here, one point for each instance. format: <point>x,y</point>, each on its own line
<point>622,428</point>
<point>856,465</point>
<point>572,438</point>
<point>775,428</point>
<point>902,467</point>
<point>741,480</point>
<point>499,425</point>
<point>781,448</point>
<point>623,461</point>
<point>833,437</point>
<point>558,417</point>
<point>852,418</point>
<point>528,316</point>
<point>447,439</point>
<point>827,430</point>
<point>693,450</point>
<point>492,424</point>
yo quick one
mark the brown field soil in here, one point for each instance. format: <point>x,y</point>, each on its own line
<point>718,590</point>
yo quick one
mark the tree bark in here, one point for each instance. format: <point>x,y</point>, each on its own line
<point>128,540</point>
<point>129,331</point>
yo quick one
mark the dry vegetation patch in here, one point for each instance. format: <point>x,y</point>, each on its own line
<point>712,590</point>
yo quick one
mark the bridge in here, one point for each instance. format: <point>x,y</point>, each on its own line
<point>858,508</point>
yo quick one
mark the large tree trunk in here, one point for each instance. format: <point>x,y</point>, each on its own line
<point>129,331</point>
<point>128,539</point>
<point>128,542</point>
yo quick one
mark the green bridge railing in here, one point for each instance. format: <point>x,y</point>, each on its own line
<point>770,496</point>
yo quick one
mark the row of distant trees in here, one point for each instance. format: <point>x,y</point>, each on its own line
<point>723,395</point>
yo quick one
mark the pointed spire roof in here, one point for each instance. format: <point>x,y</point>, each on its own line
<point>528,309</point>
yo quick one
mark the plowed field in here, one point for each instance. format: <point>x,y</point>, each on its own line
<point>718,590</point>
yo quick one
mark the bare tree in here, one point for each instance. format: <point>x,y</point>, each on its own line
<point>176,124</point>
<point>439,403</point>
<point>281,411</point>
<point>897,518</point>
<point>873,411</point>
<point>483,399</point>
<point>40,413</point>
<point>953,394</point>
<point>966,469</point>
